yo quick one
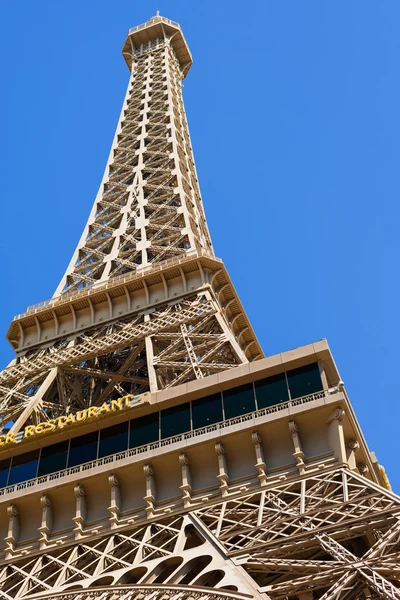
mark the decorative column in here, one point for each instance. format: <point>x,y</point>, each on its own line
<point>352,447</point>
<point>47,521</point>
<point>363,469</point>
<point>298,452</point>
<point>150,497</point>
<point>115,506</point>
<point>222,468</point>
<point>13,532</point>
<point>261,467</point>
<point>80,511</point>
<point>336,436</point>
<point>186,486</point>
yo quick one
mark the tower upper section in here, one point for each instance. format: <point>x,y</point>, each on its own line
<point>148,209</point>
<point>144,37</point>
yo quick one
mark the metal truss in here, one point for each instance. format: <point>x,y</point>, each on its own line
<point>174,551</point>
<point>148,211</point>
<point>177,342</point>
<point>150,592</point>
<point>148,208</point>
<point>334,535</point>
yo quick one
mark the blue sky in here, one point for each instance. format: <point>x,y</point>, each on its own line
<point>293,108</point>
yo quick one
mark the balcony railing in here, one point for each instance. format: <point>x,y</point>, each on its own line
<point>153,20</point>
<point>146,592</point>
<point>113,281</point>
<point>182,437</point>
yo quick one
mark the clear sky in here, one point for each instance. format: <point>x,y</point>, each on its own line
<point>293,107</point>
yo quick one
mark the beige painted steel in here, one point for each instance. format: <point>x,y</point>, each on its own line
<point>286,502</point>
<point>144,304</point>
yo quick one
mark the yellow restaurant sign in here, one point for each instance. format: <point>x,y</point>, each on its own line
<point>87,414</point>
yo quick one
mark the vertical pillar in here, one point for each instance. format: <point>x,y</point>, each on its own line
<point>115,505</point>
<point>150,497</point>
<point>47,521</point>
<point>352,446</point>
<point>222,469</point>
<point>298,452</point>
<point>80,510</point>
<point>186,486</point>
<point>13,532</point>
<point>150,361</point>
<point>323,376</point>
<point>261,467</point>
<point>336,436</point>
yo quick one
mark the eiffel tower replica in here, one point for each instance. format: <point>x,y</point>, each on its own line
<point>149,450</point>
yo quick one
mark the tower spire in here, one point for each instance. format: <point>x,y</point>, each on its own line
<point>144,298</point>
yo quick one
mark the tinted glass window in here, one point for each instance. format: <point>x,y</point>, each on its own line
<point>4,468</point>
<point>271,391</point>
<point>113,439</point>
<point>83,449</point>
<point>144,430</point>
<point>239,401</point>
<point>304,380</point>
<point>175,420</point>
<point>53,458</point>
<point>206,411</point>
<point>23,467</point>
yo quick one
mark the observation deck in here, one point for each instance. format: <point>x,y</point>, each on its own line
<point>158,28</point>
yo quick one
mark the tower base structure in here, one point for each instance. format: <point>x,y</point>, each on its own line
<point>253,482</point>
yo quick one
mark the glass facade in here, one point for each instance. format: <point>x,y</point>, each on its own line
<point>175,420</point>
<point>23,467</point>
<point>53,458</point>
<point>159,425</point>
<point>272,390</point>
<point>144,430</point>
<point>4,469</point>
<point>207,411</point>
<point>113,439</point>
<point>239,401</point>
<point>83,449</point>
<point>304,381</point>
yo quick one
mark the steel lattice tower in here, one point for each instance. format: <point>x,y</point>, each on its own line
<point>145,257</point>
<point>148,449</point>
